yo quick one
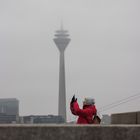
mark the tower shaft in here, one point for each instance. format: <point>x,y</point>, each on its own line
<point>62,88</point>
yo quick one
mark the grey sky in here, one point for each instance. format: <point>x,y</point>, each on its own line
<point>102,59</point>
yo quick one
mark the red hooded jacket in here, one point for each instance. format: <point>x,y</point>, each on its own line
<point>85,115</point>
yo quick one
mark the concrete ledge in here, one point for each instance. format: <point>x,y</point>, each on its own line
<point>69,132</point>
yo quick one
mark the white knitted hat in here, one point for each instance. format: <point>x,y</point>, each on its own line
<point>89,101</point>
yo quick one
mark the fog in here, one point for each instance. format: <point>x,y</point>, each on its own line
<point>102,60</point>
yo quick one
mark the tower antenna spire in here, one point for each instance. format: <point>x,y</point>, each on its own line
<point>61,25</point>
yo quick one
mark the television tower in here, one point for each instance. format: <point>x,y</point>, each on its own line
<point>61,40</point>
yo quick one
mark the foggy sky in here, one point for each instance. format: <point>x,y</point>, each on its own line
<point>102,59</point>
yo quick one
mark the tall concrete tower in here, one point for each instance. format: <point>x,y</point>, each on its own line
<point>61,40</point>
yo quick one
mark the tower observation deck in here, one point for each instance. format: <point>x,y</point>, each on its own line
<point>62,40</point>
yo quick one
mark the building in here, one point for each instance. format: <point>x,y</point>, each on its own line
<point>9,110</point>
<point>126,118</point>
<point>61,40</point>
<point>106,119</point>
<point>42,119</point>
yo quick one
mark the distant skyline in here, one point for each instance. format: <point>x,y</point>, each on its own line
<point>102,60</point>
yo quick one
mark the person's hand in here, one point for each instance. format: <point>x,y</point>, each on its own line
<point>73,99</point>
<point>72,103</point>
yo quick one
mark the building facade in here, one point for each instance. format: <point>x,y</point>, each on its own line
<point>9,110</point>
<point>42,119</point>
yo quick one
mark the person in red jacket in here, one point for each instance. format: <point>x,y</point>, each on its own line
<point>85,115</point>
